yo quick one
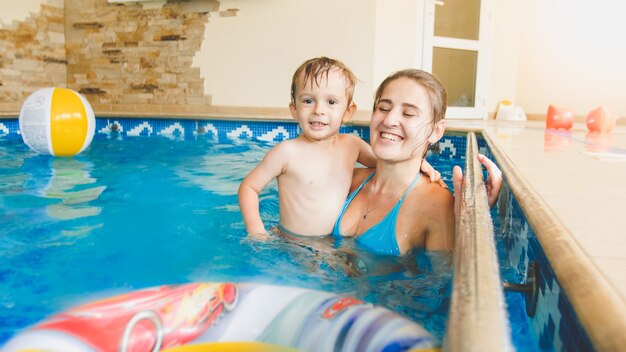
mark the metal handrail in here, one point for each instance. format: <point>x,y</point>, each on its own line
<point>478,319</point>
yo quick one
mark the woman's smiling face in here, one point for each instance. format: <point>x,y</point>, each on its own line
<point>402,123</point>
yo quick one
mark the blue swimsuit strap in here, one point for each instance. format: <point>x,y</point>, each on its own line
<point>336,231</point>
<point>381,238</point>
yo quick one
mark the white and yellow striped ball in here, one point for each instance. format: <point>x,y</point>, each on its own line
<point>57,121</point>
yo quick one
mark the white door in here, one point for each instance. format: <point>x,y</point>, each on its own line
<point>456,50</point>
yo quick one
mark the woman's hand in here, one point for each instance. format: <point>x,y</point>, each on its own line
<point>494,180</point>
<point>493,184</point>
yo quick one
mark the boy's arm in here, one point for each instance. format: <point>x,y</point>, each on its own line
<point>366,155</point>
<point>270,167</point>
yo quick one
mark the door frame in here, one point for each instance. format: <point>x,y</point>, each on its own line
<point>482,46</point>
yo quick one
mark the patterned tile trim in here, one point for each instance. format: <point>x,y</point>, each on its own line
<point>220,131</point>
<point>555,323</point>
<point>9,127</point>
<point>223,131</point>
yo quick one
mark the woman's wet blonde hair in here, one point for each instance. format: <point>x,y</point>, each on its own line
<point>436,91</point>
<point>317,68</point>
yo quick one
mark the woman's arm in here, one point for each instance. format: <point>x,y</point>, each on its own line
<point>441,226</point>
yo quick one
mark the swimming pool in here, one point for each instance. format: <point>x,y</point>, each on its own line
<point>131,213</point>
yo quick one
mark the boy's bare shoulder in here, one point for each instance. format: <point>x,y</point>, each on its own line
<point>286,147</point>
<point>349,138</point>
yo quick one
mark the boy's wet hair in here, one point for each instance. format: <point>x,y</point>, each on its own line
<point>436,91</point>
<point>317,68</point>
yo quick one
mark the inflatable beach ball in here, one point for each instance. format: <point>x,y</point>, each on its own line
<point>57,121</point>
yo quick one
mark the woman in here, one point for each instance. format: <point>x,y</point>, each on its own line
<point>394,208</point>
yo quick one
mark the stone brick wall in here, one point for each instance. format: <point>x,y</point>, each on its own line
<point>125,58</point>
<point>32,56</point>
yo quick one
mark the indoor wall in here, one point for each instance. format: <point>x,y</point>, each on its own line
<point>237,57</point>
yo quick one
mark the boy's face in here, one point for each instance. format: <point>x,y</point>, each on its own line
<point>320,110</point>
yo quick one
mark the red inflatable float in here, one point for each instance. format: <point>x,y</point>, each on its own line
<point>600,120</point>
<point>559,118</point>
<point>273,317</point>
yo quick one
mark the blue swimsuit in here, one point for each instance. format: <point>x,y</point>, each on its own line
<point>380,238</point>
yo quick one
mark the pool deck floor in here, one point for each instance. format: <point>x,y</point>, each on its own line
<point>581,178</point>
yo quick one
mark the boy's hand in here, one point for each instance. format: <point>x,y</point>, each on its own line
<point>434,175</point>
<point>260,236</point>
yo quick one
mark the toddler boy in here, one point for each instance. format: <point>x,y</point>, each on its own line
<point>314,170</point>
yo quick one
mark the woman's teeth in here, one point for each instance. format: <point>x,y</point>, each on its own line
<point>390,136</point>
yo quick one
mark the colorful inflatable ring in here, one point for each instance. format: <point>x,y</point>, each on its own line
<point>192,315</point>
<point>231,347</point>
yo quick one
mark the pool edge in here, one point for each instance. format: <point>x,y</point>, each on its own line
<point>598,305</point>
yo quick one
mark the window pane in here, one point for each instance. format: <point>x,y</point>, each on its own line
<point>456,69</point>
<point>458,19</point>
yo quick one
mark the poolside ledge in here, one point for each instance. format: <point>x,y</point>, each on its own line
<point>478,319</point>
<point>570,185</point>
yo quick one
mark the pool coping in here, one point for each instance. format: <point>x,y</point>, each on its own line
<point>598,305</point>
<point>477,315</point>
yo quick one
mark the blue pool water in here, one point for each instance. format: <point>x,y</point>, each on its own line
<point>136,212</point>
